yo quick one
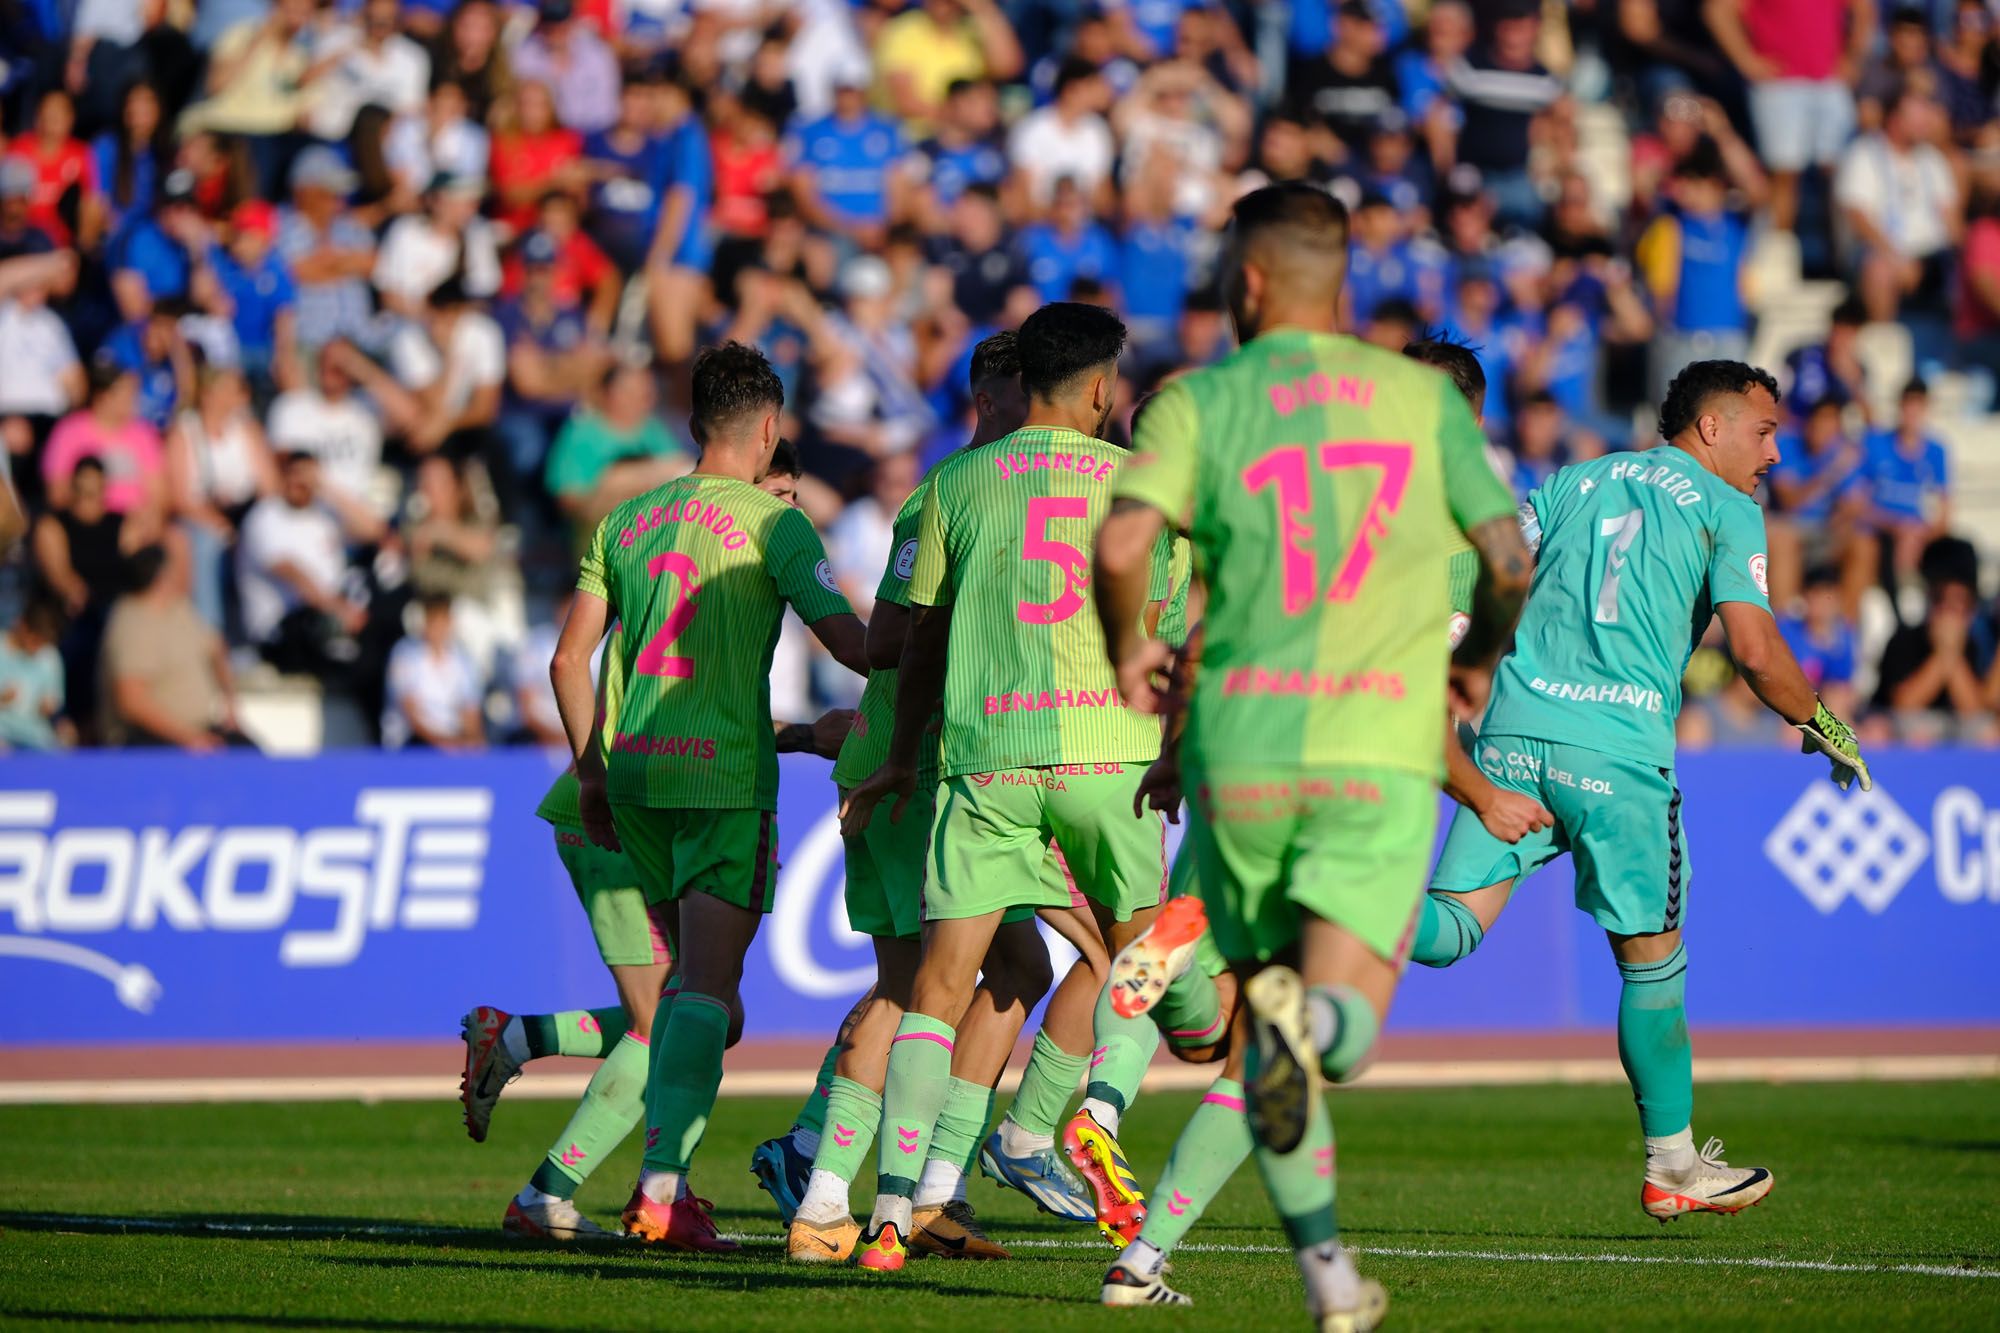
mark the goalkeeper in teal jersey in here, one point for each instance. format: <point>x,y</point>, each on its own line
<point>1636,553</point>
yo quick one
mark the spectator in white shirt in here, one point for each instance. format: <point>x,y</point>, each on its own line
<point>420,251</point>
<point>453,364</point>
<point>343,430</point>
<point>434,691</point>
<point>369,64</point>
<point>40,376</point>
<point>440,138</point>
<point>1068,137</point>
<point>1901,206</point>
<point>292,573</point>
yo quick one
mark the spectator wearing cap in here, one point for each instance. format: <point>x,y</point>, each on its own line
<point>469,53</point>
<point>166,677</point>
<point>1822,639</point>
<point>257,88</point>
<point>553,357</point>
<point>1696,260</point>
<point>1347,89</point>
<point>1071,244</point>
<point>1830,368</point>
<point>965,147</point>
<point>442,139</point>
<point>843,168</point>
<point>133,156</point>
<point>1818,493</point>
<point>1068,137</point>
<point>1909,486</point>
<point>612,450</point>
<point>448,238</point>
<point>580,70</point>
<point>31,680</point>
<point>434,691</point>
<point>1900,202</point>
<point>921,52</point>
<point>328,252</point>
<point>260,298</point>
<point>157,256</point>
<point>67,201</point>
<point>1502,89</point>
<point>18,233</point>
<point>1800,58</point>
<point>533,154</point>
<point>365,64</point>
<point>1929,675</point>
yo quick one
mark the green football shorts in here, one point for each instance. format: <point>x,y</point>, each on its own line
<point>1348,845</point>
<point>1620,819</point>
<point>630,932</point>
<point>990,842</point>
<point>726,854</point>
<point>885,870</point>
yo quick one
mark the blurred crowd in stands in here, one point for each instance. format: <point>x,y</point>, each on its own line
<point>329,328</point>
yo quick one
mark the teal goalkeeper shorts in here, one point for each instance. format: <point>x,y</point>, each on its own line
<point>1619,818</point>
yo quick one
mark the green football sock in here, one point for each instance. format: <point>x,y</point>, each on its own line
<point>1344,1027</point>
<point>919,1081</point>
<point>961,1126</point>
<point>1211,1147</point>
<point>688,1038</point>
<point>591,1033</point>
<point>853,1109</point>
<point>1300,1182</point>
<point>1446,931</point>
<point>1125,1048</point>
<point>1190,1013</point>
<point>1046,1086</point>
<point>812,1116</point>
<point>1653,1042</point>
<point>611,1105</point>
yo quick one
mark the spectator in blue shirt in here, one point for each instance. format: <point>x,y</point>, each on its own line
<point>1818,493</point>
<point>1833,366</point>
<point>683,245</point>
<point>1152,272</point>
<point>552,358</point>
<point>1539,449</point>
<point>842,167</point>
<point>1070,245</point>
<point>1392,168</point>
<point>1475,321</point>
<point>627,164</point>
<point>1695,258</point>
<point>261,298</point>
<point>1423,68</point>
<point>967,148</point>
<point>132,158</point>
<point>1909,484</point>
<point>1822,639</point>
<point>156,257</point>
<point>1380,266</point>
<point>153,349</point>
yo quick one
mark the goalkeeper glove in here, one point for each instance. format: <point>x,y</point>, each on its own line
<point>1835,739</point>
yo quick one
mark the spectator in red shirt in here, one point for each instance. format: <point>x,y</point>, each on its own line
<point>67,203</point>
<point>748,166</point>
<point>535,155</point>
<point>1801,59</point>
<point>1976,322</point>
<point>581,273</point>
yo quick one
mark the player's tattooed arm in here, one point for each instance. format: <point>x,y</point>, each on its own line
<point>1121,570</point>
<point>1505,571</point>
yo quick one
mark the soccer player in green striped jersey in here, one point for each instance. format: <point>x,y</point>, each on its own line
<point>699,571</point>
<point>1315,477</point>
<point>1036,745</point>
<point>1637,553</point>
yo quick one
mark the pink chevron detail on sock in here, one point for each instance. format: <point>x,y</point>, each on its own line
<point>1097,1056</point>
<point>587,1022</point>
<point>843,1137</point>
<point>1196,1034</point>
<point>937,1037</point>
<point>906,1139</point>
<point>652,1136</point>
<point>642,1038</point>
<point>1323,1161</point>
<point>572,1155</point>
<point>1178,1203</point>
<point>1226,1101</point>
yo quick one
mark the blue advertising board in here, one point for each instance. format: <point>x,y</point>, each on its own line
<point>157,897</point>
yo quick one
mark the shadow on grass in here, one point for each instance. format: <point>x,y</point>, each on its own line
<point>259,1321</point>
<point>767,1272</point>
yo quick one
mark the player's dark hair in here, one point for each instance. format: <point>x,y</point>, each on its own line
<point>1456,359</point>
<point>731,381</point>
<point>996,354</point>
<point>1296,215</point>
<point>1700,381</point>
<point>784,460</point>
<point>1065,340</point>
<point>434,601</point>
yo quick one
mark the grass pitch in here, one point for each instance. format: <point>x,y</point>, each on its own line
<point>1494,1208</point>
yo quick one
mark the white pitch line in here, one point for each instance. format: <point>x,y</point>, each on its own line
<point>321,1230</point>
<point>786,1083</point>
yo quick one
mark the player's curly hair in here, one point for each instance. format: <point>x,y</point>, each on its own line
<point>1062,341</point>
<point>996,355</point>
<point>1456,357</point>
<point>1698,382</point>
<point>731,381</point>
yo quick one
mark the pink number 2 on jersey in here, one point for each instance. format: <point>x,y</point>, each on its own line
<point>653,659</point>
<point>1036,544</point>
<point>1287,469</point>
